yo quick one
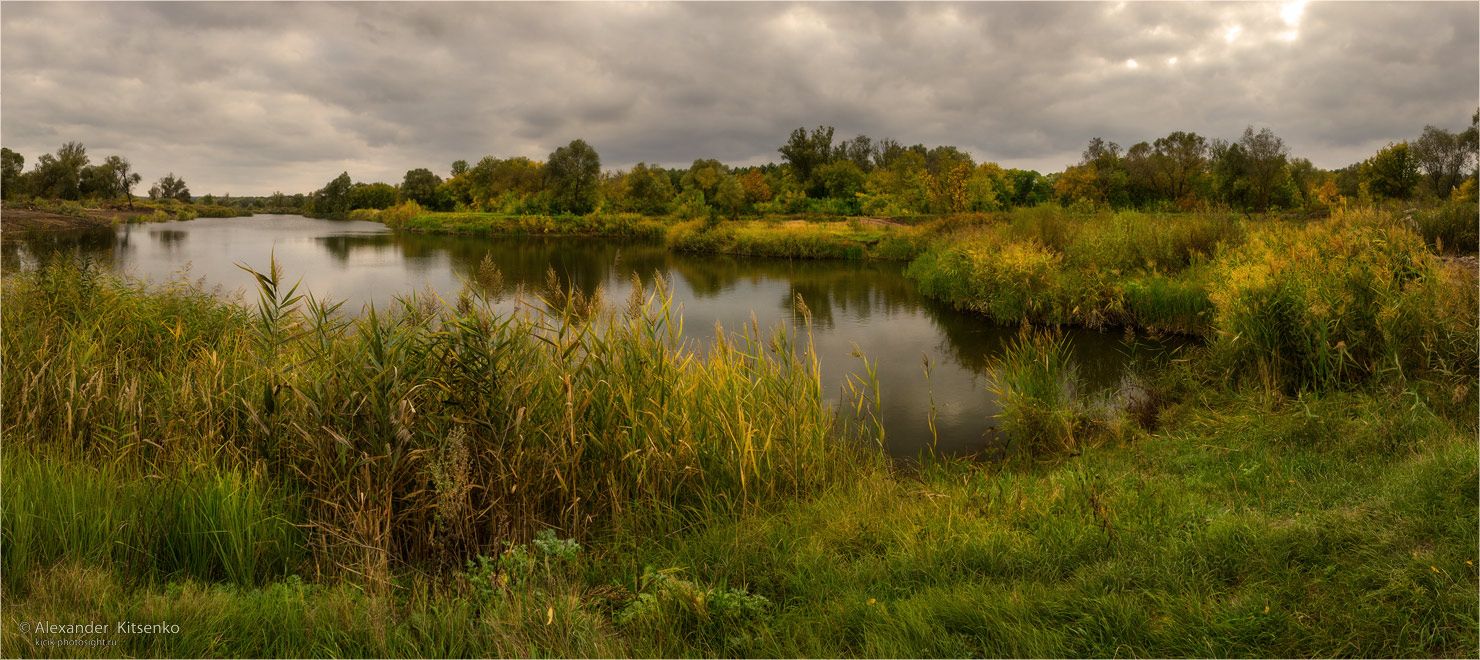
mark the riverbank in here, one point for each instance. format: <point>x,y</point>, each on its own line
<point>442,481</point>
<point>47,216</point>
<point>1043,265</point>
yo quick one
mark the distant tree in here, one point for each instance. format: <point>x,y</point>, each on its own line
<point>208,199</point>
<point>1076,183</point>
<point>859,150</point>
<point>1182,160</point>
<point>704,175</point>
<point>1265,171</point>
<point>1444,158</point>
<point>571,174</point>
<point>806,152</point>
<point>98,182</point>
<point>729,196</point>
<point>648,190</point>
<point>459,166</point>
<point>888,151</point>
<point>1392,173</point>
<point>127,178</point>
<point>333,199</point>
<point>372,196</point>
<point>170,187</point>
<point>1105,170</point>
<point>1141,168</point>
<point>990,188</point>
<point>1230,173</point>
<point>1305,177</point>
<point>757,191</point>
<point>1029,188</point>
<point>59,176</point>
<point>420,186</point>
<point>840,179</point>
<point>12,166</point>
<point>945,158</point>
<point>949,190</point>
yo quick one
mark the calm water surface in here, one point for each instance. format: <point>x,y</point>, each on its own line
<point>870,305</point>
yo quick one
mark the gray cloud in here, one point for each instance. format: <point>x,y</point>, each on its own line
<point>249,98</point>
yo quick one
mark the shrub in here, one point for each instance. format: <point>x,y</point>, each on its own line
<point>1006,280</point>
<point>1451,228</point>
<point>1037,383</point>
<point>1338,303</point>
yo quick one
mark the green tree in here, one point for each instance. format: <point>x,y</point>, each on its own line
<point>459,166</point>
<point>572,174</point>
<point>649,190</point>
<point>1182,159</point>
<point>12,166</point>
<point>98,182</point>
<point>1230,174</point>
<point>420,186</point>
<point>859,150</point>
<point>1105,171</point>
<point>806,152</point>
<point>944,159</point>
<point>1141,168</point>
<point>840,179</point>
<point>704,176</point>
<point>1265,168</point>
<point>170,186</point>
<point>1304,176</point>
<point>372,196</point>
<point>60,176</point>
<point>1392,172</point>
<point>1029,188</point>
<point>123,172</point>
<point>333,199</point>
<point>729,196</point>
<point>1443,156</point>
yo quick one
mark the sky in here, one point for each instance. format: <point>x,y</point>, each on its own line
<point>252,98</point>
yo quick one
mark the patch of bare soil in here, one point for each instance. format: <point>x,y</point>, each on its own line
<point>1468,263</point>
<point>17,220</point>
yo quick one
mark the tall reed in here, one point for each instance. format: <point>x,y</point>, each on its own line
<point>425,433</point>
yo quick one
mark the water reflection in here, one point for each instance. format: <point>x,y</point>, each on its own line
<point>868,305</point>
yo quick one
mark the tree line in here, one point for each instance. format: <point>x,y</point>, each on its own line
<point>858,176</point>
<point>818,174</point>
<point>69,174</point>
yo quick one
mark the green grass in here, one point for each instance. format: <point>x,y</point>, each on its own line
<point>799,240</point>
<point>411,217</point>
<point>200,522</point>
<point>1246,530</point>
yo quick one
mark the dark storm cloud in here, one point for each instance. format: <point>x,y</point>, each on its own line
<point>248,98</point>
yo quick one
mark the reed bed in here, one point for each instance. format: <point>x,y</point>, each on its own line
<point>799,240</point>
<point>417,436</point>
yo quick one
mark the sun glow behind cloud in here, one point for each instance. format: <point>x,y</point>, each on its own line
<point>1291,13</point>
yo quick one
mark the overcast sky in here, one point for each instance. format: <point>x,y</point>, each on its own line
<point>255,97</point>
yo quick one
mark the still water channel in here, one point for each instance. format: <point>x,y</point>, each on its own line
<point>868,304</point>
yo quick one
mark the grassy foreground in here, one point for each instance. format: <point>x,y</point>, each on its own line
<point>437,480</point>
